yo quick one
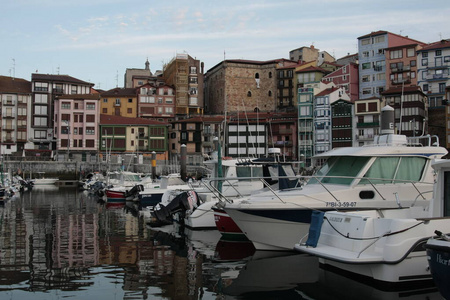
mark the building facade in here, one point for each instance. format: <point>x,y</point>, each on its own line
<point>342,123</point>
<point>367,115</point>
<point>15,97</point>
<point>242,85</point>
<point>433,71</point>
<point>156,102</point>
<point>185,74</point>
<point>372,60</point>
<point>119,102</point>
<point>346,77</point>
<point>45,88</point>
<point>77,119</point>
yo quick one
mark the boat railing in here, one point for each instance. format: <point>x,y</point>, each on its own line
<point>318,179</point>
<point>423,140</point>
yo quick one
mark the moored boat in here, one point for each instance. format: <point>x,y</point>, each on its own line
<point>352,178</point>
<point>385,245</point>
<point>438,254</point>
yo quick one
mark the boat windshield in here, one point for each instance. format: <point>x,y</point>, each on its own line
<point>395,169</point>
<point>249,171</point>
<point>340,170</point>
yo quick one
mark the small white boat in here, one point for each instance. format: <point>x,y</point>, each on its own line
<point>42,180</point>
<point>385,245</point>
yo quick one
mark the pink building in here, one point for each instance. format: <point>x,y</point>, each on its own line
<point>76,126</point>
<point>346,77</point>
<point>156,102</point>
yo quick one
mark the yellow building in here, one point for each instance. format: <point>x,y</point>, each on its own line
<point>119,102</point>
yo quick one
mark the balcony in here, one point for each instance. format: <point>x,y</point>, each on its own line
<point>58,91</point>
<point>401,69</point>
<point>437,77</point>
<point>406,80</point>
<point>365,137</point>
<point>368,125</point>
<point>8,103</point>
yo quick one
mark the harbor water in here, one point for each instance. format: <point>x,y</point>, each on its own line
<point>59,242</point>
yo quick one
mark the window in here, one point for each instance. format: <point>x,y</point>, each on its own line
<point>396,54</point>
<point>378,39</point>
<point>367,91</point>
<point>40,121</point>
<point>447,59</point>
<point>365,53</point>
<point>169,100</point>
<point>90,118</point>
<point>40,110</point>
<point>130,100</point>
<point>74,89</point>
<point>105,110</point>
<point>412,63</point>
<point>424,54</point>
<point>41,86</point>
<point>129,110</point>
<point>410,52</point>
<point>366,66</point>
<point>117,101</point>
<point>90,130</point>
<point>193,70</point>
<point>425,62</point>
<point>40,98</point>
<point>169,110</point>
<point>425,87</point>
<point>438,52</point>
<point>366,78</point>
<point>105,100</point>
<point>90,106</point>
<point>365,41</point>
<point>40,134</point>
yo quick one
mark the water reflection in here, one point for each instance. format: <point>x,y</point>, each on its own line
<point>57,243</point>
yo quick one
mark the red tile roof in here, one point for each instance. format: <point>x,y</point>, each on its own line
<point>58,78</point>
<point>119,120</point>
<point>436,45</point>
<point>14,85</point>
<point>120,92</point>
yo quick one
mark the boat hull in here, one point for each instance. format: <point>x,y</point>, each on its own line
<point>226,226</point>
<point>115,196</point>
<point>438,254</point>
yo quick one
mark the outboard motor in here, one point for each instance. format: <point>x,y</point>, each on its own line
<point>134,192</point>
<point>185,201</point>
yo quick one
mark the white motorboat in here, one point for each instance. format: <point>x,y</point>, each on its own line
<point>353,178</point>
<point>385,245</point>
<point>438,254</point>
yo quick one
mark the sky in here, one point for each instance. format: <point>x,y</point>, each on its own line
<point>97,40</point>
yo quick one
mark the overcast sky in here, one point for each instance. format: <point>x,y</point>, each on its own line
<point>97,40</point>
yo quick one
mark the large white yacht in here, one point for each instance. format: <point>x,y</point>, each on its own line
<point>353,178</point>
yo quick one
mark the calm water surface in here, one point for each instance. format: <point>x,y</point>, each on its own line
<point>58,243</point>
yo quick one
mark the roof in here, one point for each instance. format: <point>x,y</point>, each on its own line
<point>201,119</point>
<point>327,91</point>
<point>436,45</point>
<point>14,85</point>
<point>119,120</point>
<point>120,92</point>
<point>405,90</point>
<point>382,32</point>
<point>58,78</point>
<point>80,96</point>
<point>312,69</point>
<point>251,62</point>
